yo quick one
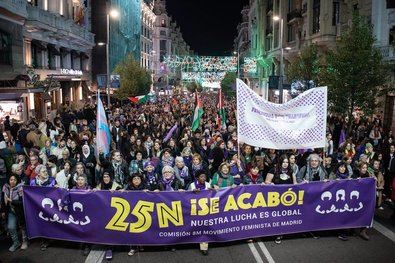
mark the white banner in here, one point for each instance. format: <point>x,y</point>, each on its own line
<point>297,124</point>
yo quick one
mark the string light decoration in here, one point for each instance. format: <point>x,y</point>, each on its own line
<point>202,63</point>
<point>201,77</point>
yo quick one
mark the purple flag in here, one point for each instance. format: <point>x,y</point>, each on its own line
<point>170,133</point>
<point>342,138</point>
<point>149,218</point>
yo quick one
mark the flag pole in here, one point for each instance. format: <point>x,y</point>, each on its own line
<point>238,124</point>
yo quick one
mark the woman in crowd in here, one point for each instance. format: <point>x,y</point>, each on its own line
<point>43,180</point>
<point>181,172</point>
<point>12,211</point>
<point>63,177</point>
<point>281,174</point>
<point>254,176</point>
<point>222,178</point>
<point>107,183</point>
<point>89,160</point>
<point>313,170</point>
<point>200,184</point>
<point>362,172</point>
<point>236,169</point>
<point>151,177</point>
<point>169,181</point>
<point>197,165</point>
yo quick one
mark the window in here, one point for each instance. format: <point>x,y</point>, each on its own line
<point>34,56</point>
<point>290,5</point>
<point>291,33</point>
<point>336,13</point>
<point>268,43</point>
<point>316,16</point>
<point>163,23</point>
<point>5,48</point>
<point>163,33</point>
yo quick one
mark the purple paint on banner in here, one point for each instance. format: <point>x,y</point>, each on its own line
<point>150,218</point>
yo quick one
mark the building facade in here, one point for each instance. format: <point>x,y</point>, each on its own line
<point>167,41</point>
<point>47,50</point>
<point>124,34</point>
<point>148,19</point>
<point>313,21</point>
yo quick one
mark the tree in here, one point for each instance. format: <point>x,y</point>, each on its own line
<point>305,69</point>
<point>194,86</point>
<point>355,71</point>
<point>228,84</point>
<point>135,80</point>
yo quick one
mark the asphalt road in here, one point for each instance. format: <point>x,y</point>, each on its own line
<point>294,248</point>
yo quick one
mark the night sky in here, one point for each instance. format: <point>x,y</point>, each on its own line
<point>208,26</point>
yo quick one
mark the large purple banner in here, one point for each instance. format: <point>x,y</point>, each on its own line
<point>150,218</point>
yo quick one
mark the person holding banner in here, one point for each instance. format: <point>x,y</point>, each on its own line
<point>222,178</point>
<point>281,174</point>
<point>43,180</point>
<point>313,171</point>
<point>12,211</point>
<point>200,184</point>
<point>107,183</point>
<point>362,172</point>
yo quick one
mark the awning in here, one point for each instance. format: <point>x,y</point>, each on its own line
<point>55,51</point>
<point>10,96</point>
<point>39,44</point>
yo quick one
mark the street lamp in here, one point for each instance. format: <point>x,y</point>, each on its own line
<point>277,18</point>
<point>113,13</point>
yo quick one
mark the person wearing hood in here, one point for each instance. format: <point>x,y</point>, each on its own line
<point>12,210</point>
<point>89,160</point>
<point>313,171</point>
<point>151,178</point>
<point>181,171</point>
<point>108,183</point>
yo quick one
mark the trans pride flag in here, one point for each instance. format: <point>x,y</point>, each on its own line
<point>103,136</point>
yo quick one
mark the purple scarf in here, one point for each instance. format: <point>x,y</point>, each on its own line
<point>199,186</point>
<point>168,182</point>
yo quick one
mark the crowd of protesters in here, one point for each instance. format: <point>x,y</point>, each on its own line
<point>146,156</point>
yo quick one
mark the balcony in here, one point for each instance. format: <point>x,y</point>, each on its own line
<point>17,7</point>
<point>58,26</point>
<point>387,52</point>
<point>294,16</point>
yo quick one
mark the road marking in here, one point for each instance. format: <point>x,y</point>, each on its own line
<point>95,256</point>
<point>255,253</point>
<point>266,252</point>
<point>383,230</point>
